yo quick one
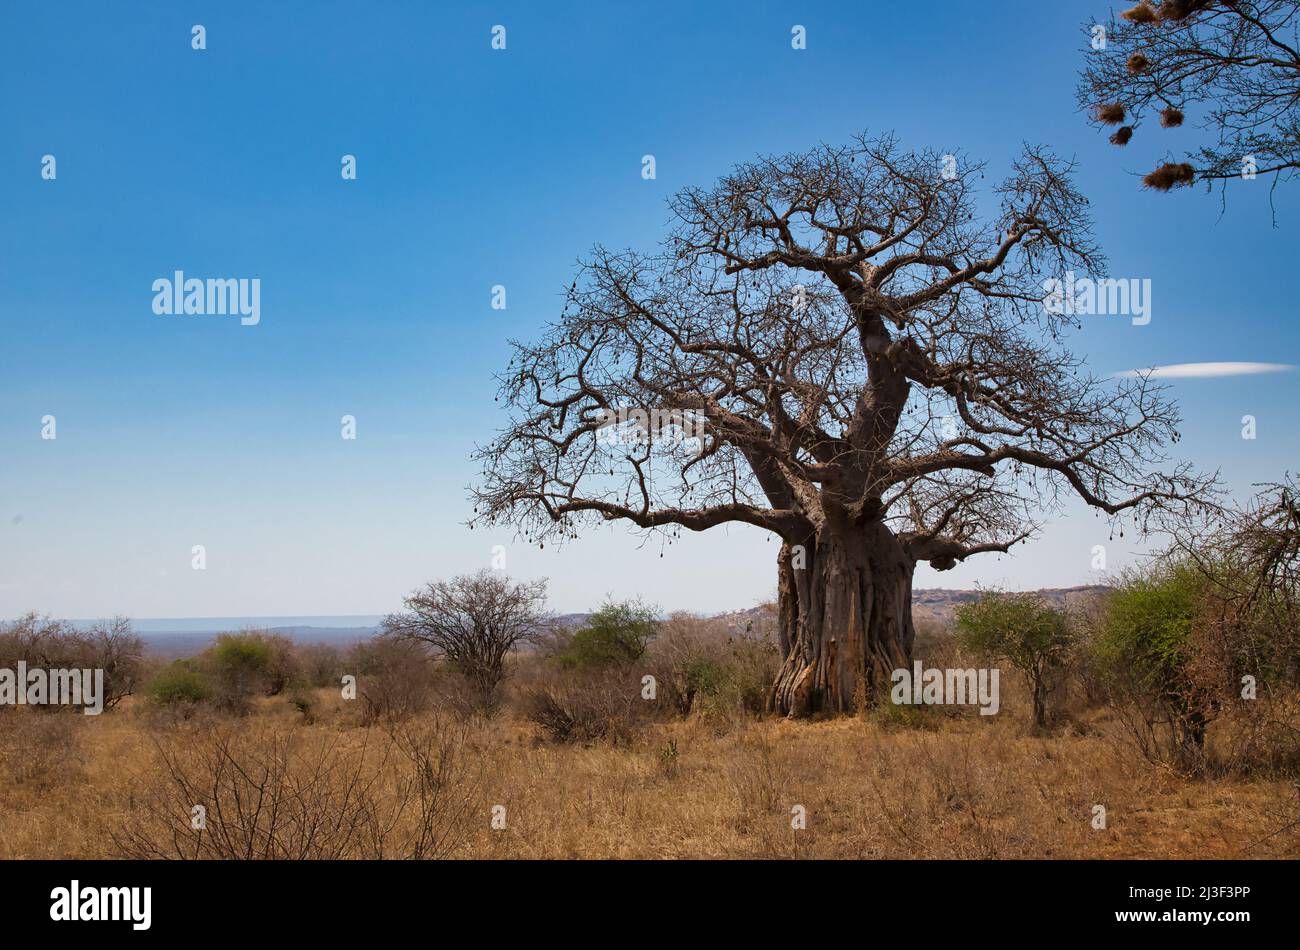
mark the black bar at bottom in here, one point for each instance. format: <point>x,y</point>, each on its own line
<point>916,898</point>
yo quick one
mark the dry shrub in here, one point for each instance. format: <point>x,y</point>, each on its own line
<point>932,637</point>
<point>1282,819</point>
<point>271,793</point>
<point>707,667</point>
<point>584,705</point>
<point>319,665</point>
<point>870,793</point>
<point>55,644</point>
<point>966,796</point>
<point>1260,734</point>
<point>40,751</point>
<point>764,777</point>
<point>761,777</point>
<point>464,697</point>
<point>1261,737</point>
<point>394,679</point>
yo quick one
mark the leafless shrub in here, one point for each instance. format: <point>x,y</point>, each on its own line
<point>1283,816</point>
<point>320,664</point>
<point>55,644</point>
<point>394,679</point>
<point>964,802</point>
<point>760,777</point>
<point>584,705</point>
<point>290,795</point>
<point>474,622</point>
<point>440,784</point>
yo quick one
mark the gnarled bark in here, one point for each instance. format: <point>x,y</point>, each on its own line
<point>845,611</point>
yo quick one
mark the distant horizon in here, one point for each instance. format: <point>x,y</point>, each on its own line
<point>188,624</point>
<point>221,623</point>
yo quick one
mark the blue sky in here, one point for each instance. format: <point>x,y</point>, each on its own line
<point>479,167</point>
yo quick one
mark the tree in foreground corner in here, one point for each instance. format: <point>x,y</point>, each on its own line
<point>839,348</point>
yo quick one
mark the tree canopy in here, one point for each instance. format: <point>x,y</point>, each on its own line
<point>841,330</point>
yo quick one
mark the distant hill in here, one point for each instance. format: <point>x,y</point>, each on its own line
<point>935,605</point>
<point>939,605</point>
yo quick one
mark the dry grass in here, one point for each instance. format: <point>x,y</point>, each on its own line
<point>700,788</point>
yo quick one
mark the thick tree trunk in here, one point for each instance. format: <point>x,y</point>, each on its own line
<point>845,613</point>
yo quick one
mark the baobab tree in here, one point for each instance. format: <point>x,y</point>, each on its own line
<point>842,352</point>
<point>1234,64</point>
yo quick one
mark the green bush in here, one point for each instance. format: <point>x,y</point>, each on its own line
<point>1148,623</point>
<point>615,635</point>
<point>1032,636</point>
<point>703,675</point>
<point>241,653</point>
<point>251,663</point>
<point>179,683</point>
<point>1145,650</point>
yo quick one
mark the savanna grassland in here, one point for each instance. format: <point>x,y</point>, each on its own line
<point>570,763</point>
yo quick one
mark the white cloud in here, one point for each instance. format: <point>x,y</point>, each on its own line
<point>1208,370</point>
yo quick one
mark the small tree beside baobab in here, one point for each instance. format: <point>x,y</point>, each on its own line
<point>473,622</point>
<point>869,373</point>
<point>1032,636</point>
